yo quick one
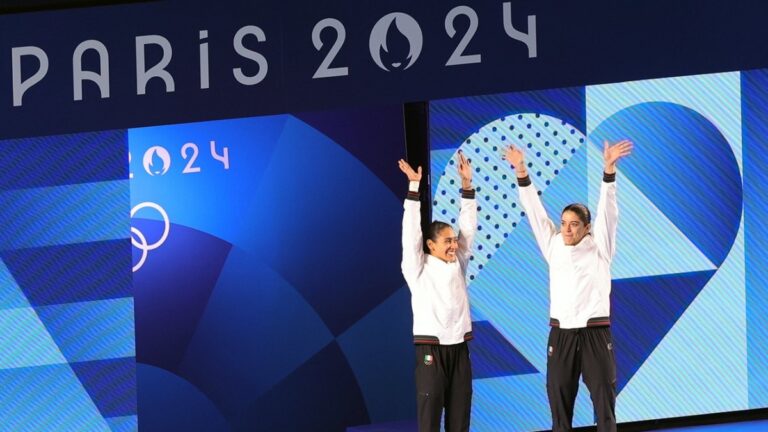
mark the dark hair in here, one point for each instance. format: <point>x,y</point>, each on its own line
<point>432,232</point>
<point>581,211</point>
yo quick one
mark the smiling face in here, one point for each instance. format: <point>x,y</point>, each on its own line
<point>444,245</point>
<point>572,228</point>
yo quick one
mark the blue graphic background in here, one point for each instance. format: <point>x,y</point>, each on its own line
<point>277,286</point>
<point>680,284</point>
<point>755,114</point>
<point>67,350</point>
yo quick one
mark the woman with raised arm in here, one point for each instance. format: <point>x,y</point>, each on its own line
<point>579,258</point>
<point>441,321</point>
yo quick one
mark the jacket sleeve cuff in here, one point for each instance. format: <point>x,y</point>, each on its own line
<point>609,178</point>
<point>524,181</point>
<point>413,191</point>
<point>468,193</point>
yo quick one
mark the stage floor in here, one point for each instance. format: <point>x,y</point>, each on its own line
<point>747,426</point>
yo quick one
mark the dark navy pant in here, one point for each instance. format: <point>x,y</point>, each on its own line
<point>443,381</point>
<point>586,352</point>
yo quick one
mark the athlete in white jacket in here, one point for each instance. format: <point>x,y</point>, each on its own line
<point>579,258</point>
<point>441,320</point>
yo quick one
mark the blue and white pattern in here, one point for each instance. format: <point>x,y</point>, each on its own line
<point>679,291</point>
<point>67,344</point>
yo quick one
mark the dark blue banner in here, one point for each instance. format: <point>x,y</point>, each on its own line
<point>164,62</point>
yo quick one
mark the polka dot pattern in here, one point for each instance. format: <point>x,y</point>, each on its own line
<point>548,144</point>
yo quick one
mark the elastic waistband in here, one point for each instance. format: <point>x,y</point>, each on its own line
<point>433,340</point>
<point>592,322</point>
